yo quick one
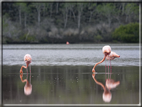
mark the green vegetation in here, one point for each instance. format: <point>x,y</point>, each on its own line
<point>76,22</point>
<point>127,33</point>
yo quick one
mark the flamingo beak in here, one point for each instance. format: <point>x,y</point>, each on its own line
<point>117,56</point>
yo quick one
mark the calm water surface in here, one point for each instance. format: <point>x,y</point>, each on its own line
<point>73,54</point>
<point>62,74</point>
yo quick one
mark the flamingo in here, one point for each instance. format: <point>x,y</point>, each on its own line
<point>67,43</point>
<point>106,51</point>
<point>28,60</point>
<point>28,86</point>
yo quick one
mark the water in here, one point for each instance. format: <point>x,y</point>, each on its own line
<point>73,54</point>
<point>62,74</point>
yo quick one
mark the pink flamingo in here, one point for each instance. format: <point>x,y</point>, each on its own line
<point>67,43</point>
<point>27,59</point>
<point>106,51</point>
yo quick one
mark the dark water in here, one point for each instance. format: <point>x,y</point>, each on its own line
<point>69,85</point>
<point>68,79</point>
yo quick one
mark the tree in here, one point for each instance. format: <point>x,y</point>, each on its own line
<point>79,9</point>
<point>21,7</point>
<point>65,13</point>
<point>38,7</point>
<point>107,10</point>
<point>131,11</point>
<point>92,7</point>
<point>71,8</point>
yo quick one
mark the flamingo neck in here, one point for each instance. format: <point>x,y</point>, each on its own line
<point>99,62</point>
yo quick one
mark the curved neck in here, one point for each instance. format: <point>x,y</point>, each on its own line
<point>93,75</point>
<point>21,70</point>
<point>21,74</point>
<point>25,80</point>
<point>100,62</point>
<point>99,83</point>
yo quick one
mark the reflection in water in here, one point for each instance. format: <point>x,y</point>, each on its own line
<point>106,94</point>
<point>28,86</point>
<point>110,84</point>
<point>69,85</point>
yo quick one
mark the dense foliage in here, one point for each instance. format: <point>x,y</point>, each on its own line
<point>58,22</point>
<point>127,33</point>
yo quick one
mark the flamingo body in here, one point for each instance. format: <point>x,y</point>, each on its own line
<point>112,55</point>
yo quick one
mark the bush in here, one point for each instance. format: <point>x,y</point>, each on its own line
<point>97,38</point>
<point>127,33</point>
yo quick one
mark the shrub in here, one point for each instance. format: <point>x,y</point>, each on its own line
<point>127,33</point>
<point>97,38</point>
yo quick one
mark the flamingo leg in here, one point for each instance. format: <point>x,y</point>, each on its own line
<point>105,66</point>
<point>30,73</point>
<point>110,67</point>
<point>30,68</point>
<point>27,69</point>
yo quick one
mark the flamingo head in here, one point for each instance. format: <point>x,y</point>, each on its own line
<point>27,59</point>
<point>106,50</point>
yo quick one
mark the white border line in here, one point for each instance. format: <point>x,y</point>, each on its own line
<point>98,104</point>
<point>140,53</point>
<point>71,104</point>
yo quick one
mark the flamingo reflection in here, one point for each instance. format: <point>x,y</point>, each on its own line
<point>106,94</point>
<point>110,84</point>
<point>28,85</point>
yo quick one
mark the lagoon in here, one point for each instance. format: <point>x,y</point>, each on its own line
<point>62,74</point>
